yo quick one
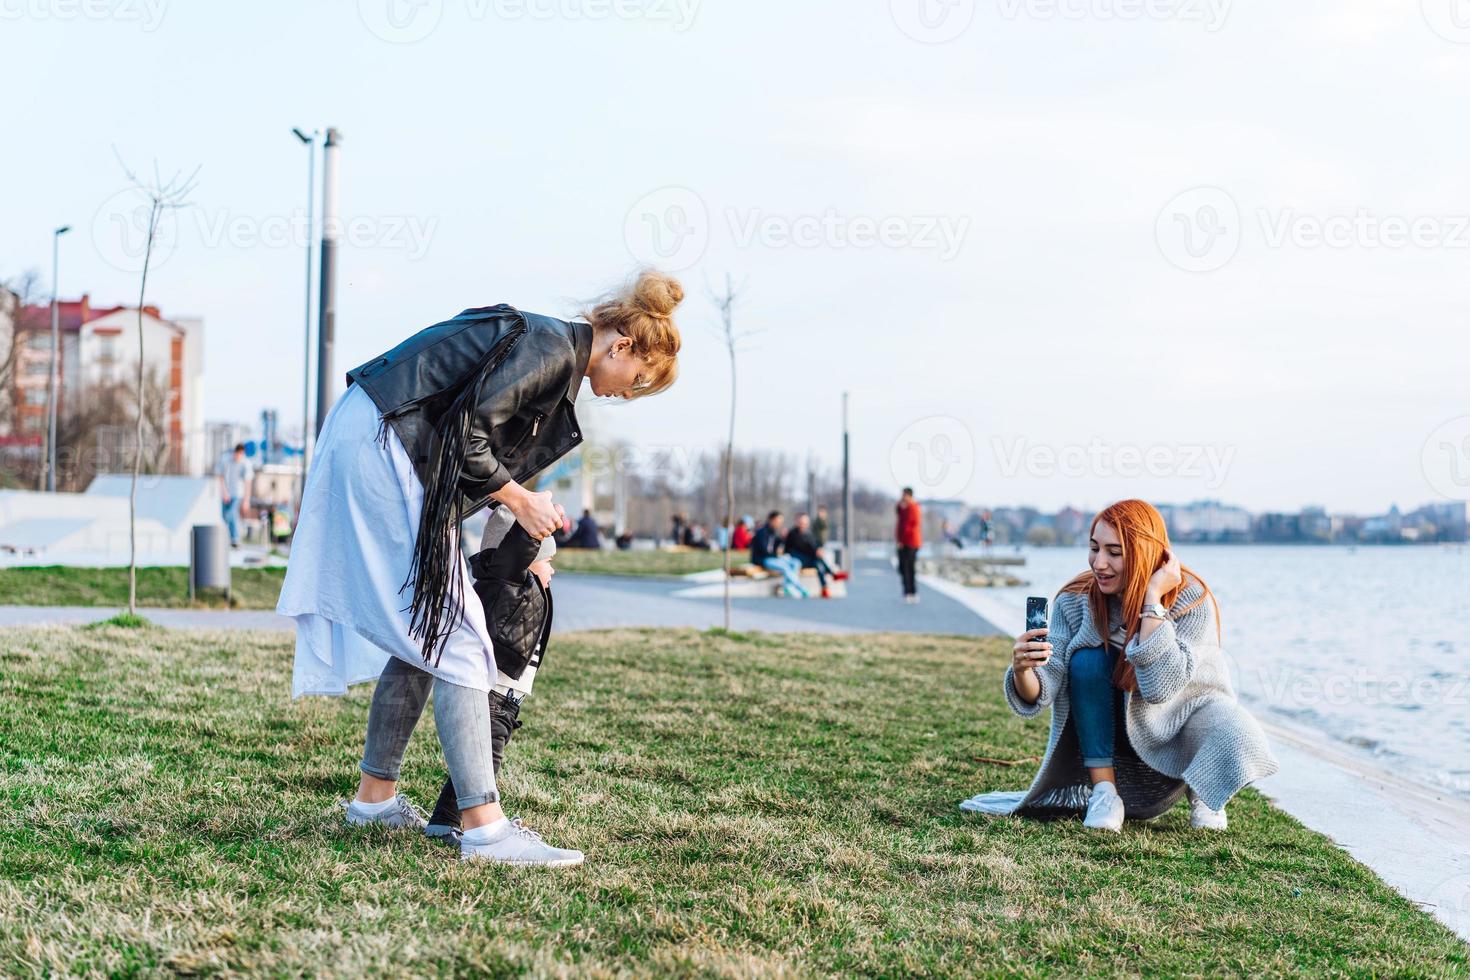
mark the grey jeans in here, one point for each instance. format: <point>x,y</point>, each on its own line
<point>462,715</point>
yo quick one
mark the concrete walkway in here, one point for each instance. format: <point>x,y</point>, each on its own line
<point>604,601</point>
<point>211,619</point>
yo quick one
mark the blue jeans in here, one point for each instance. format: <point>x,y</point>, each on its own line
<point>231,513</point>
<point>1094,699</point>
<point>790,569</point>
<point>462,715</point>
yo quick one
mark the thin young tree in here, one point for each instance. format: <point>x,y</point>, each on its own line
<point>24,289</point>
<point>726,303</point>
<point>162,196</point>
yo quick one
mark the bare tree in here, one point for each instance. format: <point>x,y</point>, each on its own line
<point>162,195</point>
<point>726,303</point>
<point>17,294</point>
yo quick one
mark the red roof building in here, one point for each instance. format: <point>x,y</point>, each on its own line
<point>99,346</point>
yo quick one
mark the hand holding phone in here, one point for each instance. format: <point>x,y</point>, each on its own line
<point>1031,649</point>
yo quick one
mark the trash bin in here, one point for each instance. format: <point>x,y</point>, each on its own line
<point>209,559</point>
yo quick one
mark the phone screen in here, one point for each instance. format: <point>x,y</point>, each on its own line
<point>1035,612</point>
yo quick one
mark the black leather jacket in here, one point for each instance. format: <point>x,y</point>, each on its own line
<point>524,419</point>
<point>518,607</point>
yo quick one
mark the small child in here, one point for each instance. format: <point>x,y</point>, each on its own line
<point>512,578</point>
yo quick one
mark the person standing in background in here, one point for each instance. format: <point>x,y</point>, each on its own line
<point>910,539</point>
<point>587,534</point>
<point>235,474</point>
<point>820,525</point>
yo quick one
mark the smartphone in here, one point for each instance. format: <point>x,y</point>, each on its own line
<point>1035,612</point>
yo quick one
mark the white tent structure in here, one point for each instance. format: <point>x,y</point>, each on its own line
<point>91,528</point>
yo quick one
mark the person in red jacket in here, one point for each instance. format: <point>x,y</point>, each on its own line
<point>909,539</point>
<point>741,538</point>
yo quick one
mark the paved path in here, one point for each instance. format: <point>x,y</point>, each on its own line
<point>219,619</point>
<point>601,601</point>
<point>873,603</point>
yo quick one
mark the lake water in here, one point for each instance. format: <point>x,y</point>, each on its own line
<point>1369,645</point>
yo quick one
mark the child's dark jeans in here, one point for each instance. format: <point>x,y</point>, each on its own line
<point>503,722</point>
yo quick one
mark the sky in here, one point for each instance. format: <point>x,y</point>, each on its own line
<point>1057,252</point>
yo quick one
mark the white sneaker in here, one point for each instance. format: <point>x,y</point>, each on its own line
<point>1105,809</point>
<point>1202,817</point>
<point>519,844</point>
<point>399,812</point>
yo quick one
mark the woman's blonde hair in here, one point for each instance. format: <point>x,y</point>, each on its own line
<point>642,311</point>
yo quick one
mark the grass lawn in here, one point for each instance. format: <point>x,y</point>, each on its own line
<point>649,562</point>
<point>58,585</point>
<point>750,805</point>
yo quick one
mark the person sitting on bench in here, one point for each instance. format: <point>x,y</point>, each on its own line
<point>765,552</point>
<point>802,545</point>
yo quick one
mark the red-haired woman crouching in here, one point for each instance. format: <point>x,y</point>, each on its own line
<point>1139,627</point>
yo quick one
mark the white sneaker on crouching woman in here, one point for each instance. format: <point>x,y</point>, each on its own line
<point>1202,817</point>
<point>397,812</point>
<point>1105,809</point>
<point>512,842</point>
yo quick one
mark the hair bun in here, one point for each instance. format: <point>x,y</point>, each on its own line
<point>657,293</point>
<point>642,310</point>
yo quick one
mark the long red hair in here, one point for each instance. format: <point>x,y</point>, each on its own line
<point>1144,539</point>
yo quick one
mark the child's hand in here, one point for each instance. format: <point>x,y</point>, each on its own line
<point>543,570</point>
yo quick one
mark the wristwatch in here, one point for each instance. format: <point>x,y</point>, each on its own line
<point>1153,610</point>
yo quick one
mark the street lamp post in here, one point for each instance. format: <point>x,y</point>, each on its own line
<point>847,555</point>
<point>55,392</point>
<point>326,318</point>
<point>306,427</point>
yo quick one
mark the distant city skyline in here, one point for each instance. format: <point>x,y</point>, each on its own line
<point>1388,508</point>
<point>1214,521</point>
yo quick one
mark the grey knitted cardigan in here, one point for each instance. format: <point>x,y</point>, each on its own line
<point>1183,724</point>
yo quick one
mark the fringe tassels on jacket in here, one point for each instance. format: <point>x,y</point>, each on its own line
<point>434,573</point>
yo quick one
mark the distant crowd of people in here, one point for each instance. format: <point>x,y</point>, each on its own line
<point>786,551</point>
<point>772,546</point>
<point>694,535</point>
